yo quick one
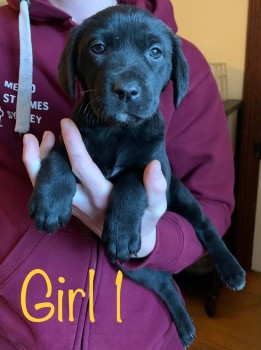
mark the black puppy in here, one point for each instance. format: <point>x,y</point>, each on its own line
<point>123,58</point>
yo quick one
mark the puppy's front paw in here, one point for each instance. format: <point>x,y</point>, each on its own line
<point>121,239</point>
<point>48,212</point>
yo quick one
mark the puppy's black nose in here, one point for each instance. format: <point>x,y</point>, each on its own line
<point>127,91</point>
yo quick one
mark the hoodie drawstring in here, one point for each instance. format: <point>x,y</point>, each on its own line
<point>24,94</point>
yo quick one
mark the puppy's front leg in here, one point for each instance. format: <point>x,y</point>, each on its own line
<point>50,204</point>
<point>122,227</point>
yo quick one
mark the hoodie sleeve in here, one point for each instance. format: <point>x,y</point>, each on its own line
<point>200,153</point>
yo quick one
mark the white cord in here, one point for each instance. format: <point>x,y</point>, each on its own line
<point>24,95</point>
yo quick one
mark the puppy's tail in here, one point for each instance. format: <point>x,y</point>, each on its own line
<point>162,283</point>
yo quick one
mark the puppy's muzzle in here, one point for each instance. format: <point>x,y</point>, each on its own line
<point>127,91</point>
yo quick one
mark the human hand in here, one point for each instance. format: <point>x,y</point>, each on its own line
<point>93,192</point>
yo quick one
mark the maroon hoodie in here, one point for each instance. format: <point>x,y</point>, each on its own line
<point>46,267</point>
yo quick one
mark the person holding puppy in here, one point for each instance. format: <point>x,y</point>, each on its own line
<point>44,272</point>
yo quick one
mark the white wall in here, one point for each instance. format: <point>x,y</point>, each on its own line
<point>219,29</point>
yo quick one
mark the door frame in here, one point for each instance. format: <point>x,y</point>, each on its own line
<point>250,132</point>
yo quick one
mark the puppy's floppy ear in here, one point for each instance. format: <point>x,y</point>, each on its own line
<point>180,71</point>
<point>68,63</point>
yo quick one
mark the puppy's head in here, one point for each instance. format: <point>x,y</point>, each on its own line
<point>123,58</point>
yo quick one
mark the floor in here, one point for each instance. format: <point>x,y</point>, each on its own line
<point>237,323</point>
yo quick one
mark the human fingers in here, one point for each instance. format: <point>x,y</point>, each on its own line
<point>83,167</point>
<point>33,153</point>
<point>46,144</point>
<point>155,185</point>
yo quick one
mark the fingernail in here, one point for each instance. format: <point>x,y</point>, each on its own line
<point>65,124</point>
<point>157,169</point>
<point>25,139</point>
<point>45,135</point>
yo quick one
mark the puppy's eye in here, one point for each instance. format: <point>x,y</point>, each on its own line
<point>155,53</point>
<point>98,49</point>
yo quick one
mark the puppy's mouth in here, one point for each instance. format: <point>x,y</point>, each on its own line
<point>123,118</point>
<point>126,118</point>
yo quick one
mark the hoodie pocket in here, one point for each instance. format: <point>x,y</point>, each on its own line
<point>20,253</point>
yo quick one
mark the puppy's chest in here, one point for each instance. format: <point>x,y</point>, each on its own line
<point>116,151</point>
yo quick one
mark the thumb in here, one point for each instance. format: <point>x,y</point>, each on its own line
<point>155,185</point>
